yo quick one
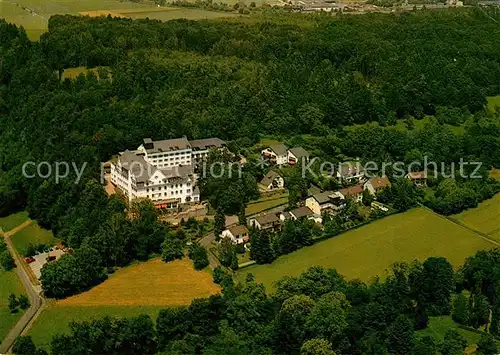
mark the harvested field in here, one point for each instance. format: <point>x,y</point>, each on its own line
<point>153,283</point>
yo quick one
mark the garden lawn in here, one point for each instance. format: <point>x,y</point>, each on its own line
<point>438,326</point>
<point>140,288</point>
<point>12,221</point>
<point>370,250</point>
<point>33,234</point>
<point>484,218</point>
<point>9,283</point>
<point>258,207</point>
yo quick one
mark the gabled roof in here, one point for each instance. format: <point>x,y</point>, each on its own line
<point>269,177</point>
<point>348,169</point>
<point>237,230</point>
<point>352,190</point>
<point>417,175</point>
<point>313,190</point>
<point>136,166</point>
<point>323,197</point>
<point>143,171</point>
<point>279,149</point>
<point>380,182</point>
<point>302,212</point>
<point>299,152</point>
<point>267,219</point>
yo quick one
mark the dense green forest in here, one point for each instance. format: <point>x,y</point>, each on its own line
<point>339,84</point>
<point>317,313</point>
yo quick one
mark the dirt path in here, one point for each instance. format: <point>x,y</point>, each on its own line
<point>18,228</point>
<point>33,291</point>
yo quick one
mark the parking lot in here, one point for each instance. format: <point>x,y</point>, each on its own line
<point>41,260</point>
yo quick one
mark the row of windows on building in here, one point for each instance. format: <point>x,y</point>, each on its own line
<point>155,160</point>
<point>154,156</point>
<point>172,193</point>
<point>169,187</point>
<point>165,181</point>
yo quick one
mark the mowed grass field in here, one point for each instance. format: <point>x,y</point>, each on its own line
<point>9,283</point>
<point>370,250</point>
<point>141,288</point>
<point>33,234</point>
<point>485,218</point>
<point>34,15</point>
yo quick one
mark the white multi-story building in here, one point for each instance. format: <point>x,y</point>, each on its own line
<point>162,171</point>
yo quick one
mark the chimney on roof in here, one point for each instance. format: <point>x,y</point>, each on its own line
<point>148,143</point>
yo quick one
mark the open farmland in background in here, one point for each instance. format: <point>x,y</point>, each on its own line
<point>34,15</point>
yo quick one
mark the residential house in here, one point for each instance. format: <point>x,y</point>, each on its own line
<point>266,222</point>
<point>350,172</point>
<point>419,178</point>
<point>301,212</point>
<point>296,155</point>
<point>376,184</point>
<point>276,154</point>
<point>325,201</point>
<point>272,181</point>
<point>354,193</point>
<point>237,233</point>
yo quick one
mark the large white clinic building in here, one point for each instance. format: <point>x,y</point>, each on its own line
<point>163,171</point>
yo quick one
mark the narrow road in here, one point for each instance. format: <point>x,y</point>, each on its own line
<point>206,242</point>
<point>36,301</point>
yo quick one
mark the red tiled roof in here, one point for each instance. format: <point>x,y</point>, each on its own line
<point>380,182</point>
<point>352,190</point>
<point>417,175</point>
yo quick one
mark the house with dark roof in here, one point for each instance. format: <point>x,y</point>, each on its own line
<point>376,184</point>
<point>237,233</point>
<point>272,181</point>
<point>325,201</point>
<point>296,155</point>
<point>269,221</point>
<point>300,212</point>
<point>350,172</point>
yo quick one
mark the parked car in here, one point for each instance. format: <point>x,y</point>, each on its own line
<point>50,258</point>
<point>29,260</point>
